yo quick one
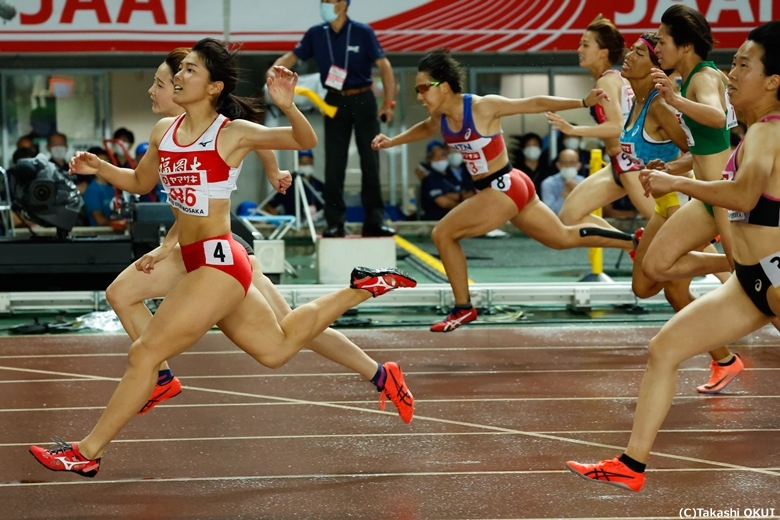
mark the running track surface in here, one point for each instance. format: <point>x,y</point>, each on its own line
<point>499,411</point>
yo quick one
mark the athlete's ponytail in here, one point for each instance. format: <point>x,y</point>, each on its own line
<point>441,66</point>
<point>221,64</point>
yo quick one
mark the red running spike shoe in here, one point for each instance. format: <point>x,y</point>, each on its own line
<point>455,319</point>
<point>162,393</point>
<point>380,281</point>
<point>65,457</point>
<point>612,472</point>
<point>396,390</point>
<point>721,376</point>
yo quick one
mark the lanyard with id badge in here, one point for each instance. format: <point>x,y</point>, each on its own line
<point>336,75</point>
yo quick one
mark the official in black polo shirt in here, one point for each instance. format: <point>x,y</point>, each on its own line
<point>345,51</point>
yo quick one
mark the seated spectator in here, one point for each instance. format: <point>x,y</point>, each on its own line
<point>128,138</point>
<point>284,203</point>
<point>573,142</point>
<point>22,153</point>
<point>424,168</point>
<point>530,163</point>
<point>440,191</point>
<point>557,187</point>
<point>99,196</point>
<point>458,170</point>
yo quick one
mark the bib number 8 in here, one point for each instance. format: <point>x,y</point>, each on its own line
<point>502,183</point>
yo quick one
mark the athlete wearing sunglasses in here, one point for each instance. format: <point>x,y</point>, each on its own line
<point>472,125</point>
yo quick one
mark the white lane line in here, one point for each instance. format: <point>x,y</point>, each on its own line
<point>389,349</point>
<point>379,436</point>
<point>373,403</point>
<point>347,476</point>
<point>355,375</point>
<point>440,421</point>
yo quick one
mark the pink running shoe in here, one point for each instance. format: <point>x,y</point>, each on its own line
<point>721,376</point>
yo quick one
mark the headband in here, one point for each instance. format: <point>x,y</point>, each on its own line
<point>649,46</point>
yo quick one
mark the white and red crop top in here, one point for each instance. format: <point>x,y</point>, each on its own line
<point>192,174</point>
<point>477,150</point>
<point>626,100</point>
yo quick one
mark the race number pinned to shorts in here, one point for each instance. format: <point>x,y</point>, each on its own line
<point>218,252</point>
<point>502,183</point>
<point>771,267</point>
<point>336,77</point>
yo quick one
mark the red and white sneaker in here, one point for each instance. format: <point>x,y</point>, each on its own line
<point>455,319</point>
<point>636,237</point>
<point>721,376</point>
<point>65,457</point>
<point>612,472</point>
<point>396,390</point>
<point>380,281</point>
<point>162,393</point>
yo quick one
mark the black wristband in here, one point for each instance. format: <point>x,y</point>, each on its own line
<point>584,105</point>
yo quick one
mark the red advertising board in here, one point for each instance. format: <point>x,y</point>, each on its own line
<point>401,25</point>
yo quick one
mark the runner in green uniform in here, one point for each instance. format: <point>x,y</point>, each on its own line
<point>705,115</point>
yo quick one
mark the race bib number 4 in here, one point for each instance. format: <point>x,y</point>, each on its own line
<point>218,252</point>
<point>188,192</point>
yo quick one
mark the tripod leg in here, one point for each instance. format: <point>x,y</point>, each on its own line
<point>305,207</point>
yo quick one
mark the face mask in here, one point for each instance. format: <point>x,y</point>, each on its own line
<point>455,159</point>
<point>532,153</point>
<point>118,150</point>
<point>568,173</point>
<point>58,153</point>
<point>328,12</point>
<point>571,143</point>
<point>440,166</point>
<point>306,169</point>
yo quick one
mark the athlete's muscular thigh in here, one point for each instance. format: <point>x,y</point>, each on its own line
<point>477,215</point>
<point>688,229</point>
<point>253,326</point>
<point>134,286</point>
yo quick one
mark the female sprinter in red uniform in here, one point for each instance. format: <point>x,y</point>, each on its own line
<point>750,189</point>
<point>472,125</point>
<point>601,47</point>
<point>151,277</point>
<point>217,288</point>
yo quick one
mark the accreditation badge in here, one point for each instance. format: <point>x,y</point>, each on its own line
<point>336,77</point>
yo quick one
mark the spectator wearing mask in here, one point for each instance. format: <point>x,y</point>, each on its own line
<point>557,187</point>
<point>458,170</point>
<point>424,168</point>
<point>128,138</point>
<point>530,161</point>
<point>284,203</point>
<point>440,191</point>
<point>573,142</point>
